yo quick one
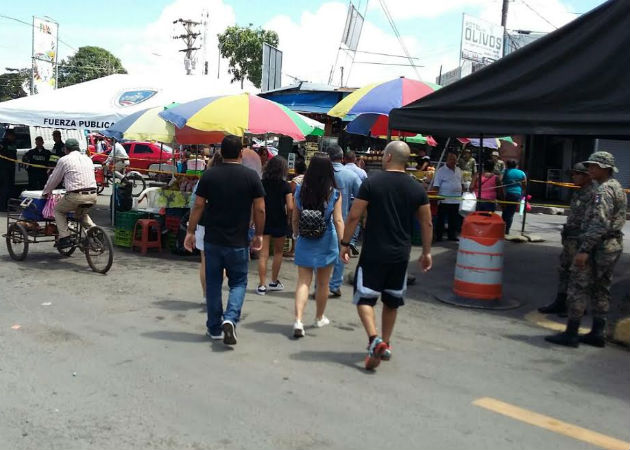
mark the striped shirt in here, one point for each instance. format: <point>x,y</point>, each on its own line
<point>75,170</point>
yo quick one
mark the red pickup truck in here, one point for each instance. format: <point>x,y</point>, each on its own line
<point>141,155</point>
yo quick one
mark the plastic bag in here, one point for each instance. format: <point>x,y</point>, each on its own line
<point>49,209</point>
<point>468,203</point>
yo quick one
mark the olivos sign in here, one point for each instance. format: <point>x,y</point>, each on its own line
<point>482,41</point>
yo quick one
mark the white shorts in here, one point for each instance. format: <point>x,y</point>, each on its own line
<point>199,234</point>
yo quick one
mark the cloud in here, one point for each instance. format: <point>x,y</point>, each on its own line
<point>412,9</point>
<point>309,50</point>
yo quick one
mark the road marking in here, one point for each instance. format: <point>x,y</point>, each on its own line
<point>542,321</point>
<point>551,424</point>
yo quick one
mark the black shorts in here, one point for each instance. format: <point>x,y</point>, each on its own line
<point>275,232</point>
<point>374,279</point>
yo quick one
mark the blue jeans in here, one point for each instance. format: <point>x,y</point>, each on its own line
<point>336,280</point>
<point>235,261</point>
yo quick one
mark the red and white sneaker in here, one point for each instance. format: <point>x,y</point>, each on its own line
<point>375,352</point>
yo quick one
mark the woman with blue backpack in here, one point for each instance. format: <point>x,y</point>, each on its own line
<point>317,227</point>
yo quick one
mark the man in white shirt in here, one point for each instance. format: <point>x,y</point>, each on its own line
<point>118,157</point>
<point>77,173</point>
<point>448,180</point>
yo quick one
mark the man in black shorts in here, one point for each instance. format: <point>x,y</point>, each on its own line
<point>391,199</point>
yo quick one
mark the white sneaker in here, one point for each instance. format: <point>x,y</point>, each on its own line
<point>322,322</point>
<point>261,290</point>
<point>298,329</point>
<point>276,286</point>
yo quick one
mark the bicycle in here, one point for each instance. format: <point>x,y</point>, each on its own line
<point>21,233</point>
<point>133,177</point>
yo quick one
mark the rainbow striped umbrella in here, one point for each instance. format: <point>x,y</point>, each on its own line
<point>238,114</point>
<point>372,103</point>
<point>147,125</point>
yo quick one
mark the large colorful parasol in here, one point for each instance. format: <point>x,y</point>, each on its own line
<point>372,103</point>
<point>238,114</point>
<point>147,125</point>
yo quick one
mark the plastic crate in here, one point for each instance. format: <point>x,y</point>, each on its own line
<point>126,220</point>
<point>123,238</point>
<point>172,223</point>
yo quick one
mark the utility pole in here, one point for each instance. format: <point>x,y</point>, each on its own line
<point>189,38</point>
<point>504,16</point>
<point>504,13</point>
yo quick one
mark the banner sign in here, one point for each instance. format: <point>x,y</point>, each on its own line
<point>352,28</point>
<point>44,54</point>
<point>482,41</point>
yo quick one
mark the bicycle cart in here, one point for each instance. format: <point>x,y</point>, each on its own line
<point>26,226</point>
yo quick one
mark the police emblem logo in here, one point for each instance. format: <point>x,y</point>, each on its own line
<point>129,98</point>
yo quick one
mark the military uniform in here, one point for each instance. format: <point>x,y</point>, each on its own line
<point>468,166</point>
<point>499,168</point>
<point>571,231</point>
<point>602,239</point>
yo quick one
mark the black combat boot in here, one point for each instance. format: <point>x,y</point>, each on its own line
<point>568,338</point>
<point>596,336</point>
<point>559,306</point>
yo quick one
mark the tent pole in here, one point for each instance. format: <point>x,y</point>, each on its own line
<point>525,207</point>
<point>113,195</point>
<point>440,161</point>
<point>480,164</point>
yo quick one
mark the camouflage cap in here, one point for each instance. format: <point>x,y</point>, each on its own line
<point>72,144</point>
<point>604,160</point>
<point>578,168</point>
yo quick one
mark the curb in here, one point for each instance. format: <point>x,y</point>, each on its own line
<point>621,333</point>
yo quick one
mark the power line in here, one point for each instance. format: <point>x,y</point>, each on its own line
<point>538,14</point>
<point>390,19</point>
<point>32,26</point>
<point>383,54</point>
<point>386,64</point>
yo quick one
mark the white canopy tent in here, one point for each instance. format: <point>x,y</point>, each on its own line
<point>99,103</point>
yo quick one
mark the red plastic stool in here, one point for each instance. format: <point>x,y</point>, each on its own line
<point>143,241</point>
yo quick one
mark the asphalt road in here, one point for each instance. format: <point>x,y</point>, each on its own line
<point>121,361</point>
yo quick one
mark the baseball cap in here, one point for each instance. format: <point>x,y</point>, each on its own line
<point>604,160</point>
<point>495,153</point>
<point>72,143</point>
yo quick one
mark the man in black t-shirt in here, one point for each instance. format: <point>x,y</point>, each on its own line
<point>391,199</point>
<point>225,196</point>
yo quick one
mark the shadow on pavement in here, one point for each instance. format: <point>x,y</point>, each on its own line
<point>349,359</point>
<point>535,341</point>
<point>177,336</point>
<point>179,305</point>
<point>265,326</point>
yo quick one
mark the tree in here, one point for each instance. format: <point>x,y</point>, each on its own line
<point>243,47</point>
<point>13,84</point>
<point>88,63</point>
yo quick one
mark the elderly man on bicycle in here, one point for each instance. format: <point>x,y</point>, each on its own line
<point>77,173</point>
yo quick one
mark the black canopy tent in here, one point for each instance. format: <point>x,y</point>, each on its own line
<point>574,81</point>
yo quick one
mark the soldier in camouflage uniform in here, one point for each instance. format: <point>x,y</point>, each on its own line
<point>601,243</point>
<point>467,162</point>
<point>499,165</point>
<point>580,202</point>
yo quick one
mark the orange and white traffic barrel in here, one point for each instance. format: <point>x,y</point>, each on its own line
<point>479,267</point>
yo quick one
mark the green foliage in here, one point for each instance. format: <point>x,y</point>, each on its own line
<point>88,63</point>
<point>12,83</point>
<point>242,46</point>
